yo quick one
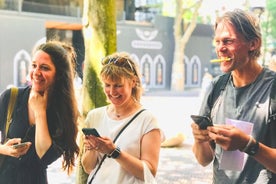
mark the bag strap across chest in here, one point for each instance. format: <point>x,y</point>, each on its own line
<point>271,141</point>
<point>219,86</point>
<point>13,97</point>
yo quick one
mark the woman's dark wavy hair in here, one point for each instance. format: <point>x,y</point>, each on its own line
<point>247,24</point>
<point>62,112</point>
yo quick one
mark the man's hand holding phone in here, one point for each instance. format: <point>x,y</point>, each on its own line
<point>202,121</point>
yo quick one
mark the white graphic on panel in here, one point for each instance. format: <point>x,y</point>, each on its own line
<point>146,41</point>
<point>146,35</point>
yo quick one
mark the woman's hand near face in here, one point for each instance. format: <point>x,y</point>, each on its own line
<point>38,101</point>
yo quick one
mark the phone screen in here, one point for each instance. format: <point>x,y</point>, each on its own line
<point>202,121</point>
<point>90,131</point>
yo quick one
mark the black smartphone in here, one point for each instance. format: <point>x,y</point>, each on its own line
<point>20,145</point>
<point>90,131</point>
<point>202,121</point>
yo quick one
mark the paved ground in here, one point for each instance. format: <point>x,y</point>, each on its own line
<point>177,164</point>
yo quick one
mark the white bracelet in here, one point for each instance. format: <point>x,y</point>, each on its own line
<point>248,144</point>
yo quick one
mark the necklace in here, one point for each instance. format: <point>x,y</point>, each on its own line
<point>125,112</point>
<point>119,116</point>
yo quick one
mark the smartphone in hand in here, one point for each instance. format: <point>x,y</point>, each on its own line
<point>202,121</point>
<point>20,145</point>
<point>90,131</point>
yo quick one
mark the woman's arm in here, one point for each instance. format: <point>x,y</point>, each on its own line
<point>150,148</point>
<point>89,156</point>
<point>43,140</point>
<point>38,105</point>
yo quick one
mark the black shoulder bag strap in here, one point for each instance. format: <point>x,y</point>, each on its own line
<point>11,105</point>
<point>270,139</point>
<point>104,157</point>
<point>13,97</point>
<point>272,116</point>
<point>218,87</point>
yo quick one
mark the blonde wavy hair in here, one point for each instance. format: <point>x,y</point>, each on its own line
<point>120,65</point>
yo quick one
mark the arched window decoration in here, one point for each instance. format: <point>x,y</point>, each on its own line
<point>22,63</point>
<point>146,72</point>
<point>196,71</point>
<point>135,58</point>
<point>153,71</point>
<point>186,70</point>
<point>159,74</point>
<point>160,71</point>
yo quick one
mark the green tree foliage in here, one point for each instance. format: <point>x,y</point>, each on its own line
<point>269,22</point>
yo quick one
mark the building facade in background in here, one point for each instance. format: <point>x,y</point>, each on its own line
<point>149,40</point>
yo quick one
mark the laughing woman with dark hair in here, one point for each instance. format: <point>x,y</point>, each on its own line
<point>45,116</point>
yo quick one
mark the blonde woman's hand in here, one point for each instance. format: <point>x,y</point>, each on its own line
<point>101,144</point>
